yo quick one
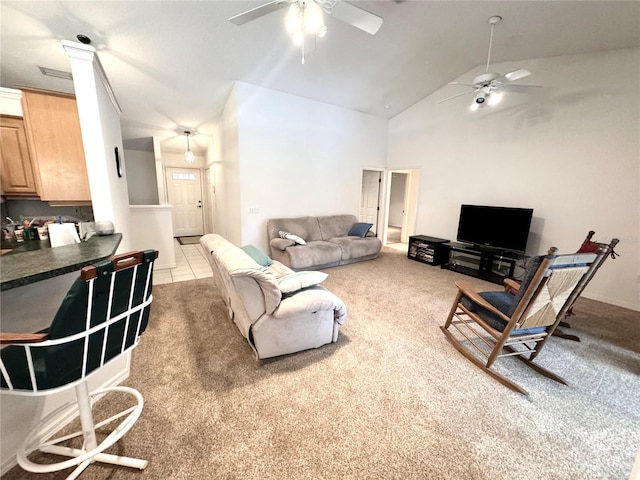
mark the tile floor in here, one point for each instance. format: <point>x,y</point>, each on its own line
<point>190,264</point>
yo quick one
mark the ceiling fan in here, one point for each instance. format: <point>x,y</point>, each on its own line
<point>490,86</point>
<point>305,17</point>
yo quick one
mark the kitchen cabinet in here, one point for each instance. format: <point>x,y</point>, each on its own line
<point>55,141</point>
<point>15,161</point>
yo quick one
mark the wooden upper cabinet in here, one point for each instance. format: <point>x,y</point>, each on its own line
<point>53,131</point>
<point>15,161</point>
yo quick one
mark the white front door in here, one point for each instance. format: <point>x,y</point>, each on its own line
<point>370,198</point>
<point>184,192</point>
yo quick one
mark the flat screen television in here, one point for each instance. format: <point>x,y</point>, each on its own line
<point>502,228</point>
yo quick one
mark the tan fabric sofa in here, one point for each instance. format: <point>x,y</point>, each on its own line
<point>272,322</point>
<point>327,242</point>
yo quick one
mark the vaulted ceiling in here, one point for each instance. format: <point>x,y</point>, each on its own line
<point>172,63</point>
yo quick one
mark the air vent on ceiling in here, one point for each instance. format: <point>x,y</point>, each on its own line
<point>50,72</point>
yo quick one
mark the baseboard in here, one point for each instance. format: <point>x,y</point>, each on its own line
<point>617,303</point>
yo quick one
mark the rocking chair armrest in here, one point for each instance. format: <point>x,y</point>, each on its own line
<point>472,295</point>
<point>8,338</point>
<point>511,284</point>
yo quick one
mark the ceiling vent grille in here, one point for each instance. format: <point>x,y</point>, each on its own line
<point>50,72</point>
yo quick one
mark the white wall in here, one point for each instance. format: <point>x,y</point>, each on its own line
<point>300,157</point>
<point>227,175</point>
<point>170,159</point>
<point>569,150</point>
<point>141,177</point>
<point>152,228</point>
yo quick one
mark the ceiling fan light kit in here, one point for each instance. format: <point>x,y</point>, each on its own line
<point>305,17</point>
<point>489,87</point>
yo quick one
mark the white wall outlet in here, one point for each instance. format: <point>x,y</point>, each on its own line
<point>254,210</point>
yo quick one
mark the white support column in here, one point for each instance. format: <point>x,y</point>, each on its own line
<point>101,134</point>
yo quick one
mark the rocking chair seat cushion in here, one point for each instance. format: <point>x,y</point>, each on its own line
<point>503,301</point>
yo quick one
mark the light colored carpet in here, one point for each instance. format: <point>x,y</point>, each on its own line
<point>392,399</point>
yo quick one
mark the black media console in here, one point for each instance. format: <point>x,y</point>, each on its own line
<point>488,264</point>
<point>430,250</point>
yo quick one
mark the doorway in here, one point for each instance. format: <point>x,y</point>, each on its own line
<point>401,202</point>
<point>184,192</point>
<point>397,195</point>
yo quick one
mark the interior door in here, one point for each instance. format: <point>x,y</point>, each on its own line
<point>370,197</point>
<point>184,192</point>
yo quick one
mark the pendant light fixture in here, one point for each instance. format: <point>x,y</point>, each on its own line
<point>188,155</point>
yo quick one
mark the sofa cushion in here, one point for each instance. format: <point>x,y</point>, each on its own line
<point>305,227</point>
<point>353,247</point>
<point>360,229</point>
<point>299,280</point>
<point>280,244</point>
<point>314,254</point>
<point>336,225</point>
<point>258,255</point>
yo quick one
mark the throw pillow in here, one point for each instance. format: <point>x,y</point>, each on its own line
<point>359,229</point>
<point>299,280</point>
<point>258,255</point>
<point>292,237</point>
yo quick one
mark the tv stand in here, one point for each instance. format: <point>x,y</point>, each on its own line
<point>481,262</point>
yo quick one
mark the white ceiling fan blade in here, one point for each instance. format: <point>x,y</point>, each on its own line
<point>463,84</point>
<point>257,12</point>
<point>455,96</point>
<point>517,74</point>
<point>356,16</point>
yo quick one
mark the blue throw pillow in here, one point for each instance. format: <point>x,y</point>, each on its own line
<point>360,229</point>
<point>258,255</point>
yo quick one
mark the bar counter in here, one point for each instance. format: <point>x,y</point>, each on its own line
<point>36,260</point>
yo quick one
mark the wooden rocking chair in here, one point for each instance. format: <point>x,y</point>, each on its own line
<point>588,246</point>
<point>490,325</point>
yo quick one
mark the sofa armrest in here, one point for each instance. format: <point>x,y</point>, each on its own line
<point>311,300</point>
<point>281,243</point>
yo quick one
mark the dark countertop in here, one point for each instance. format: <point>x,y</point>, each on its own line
<point>36,261</point>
